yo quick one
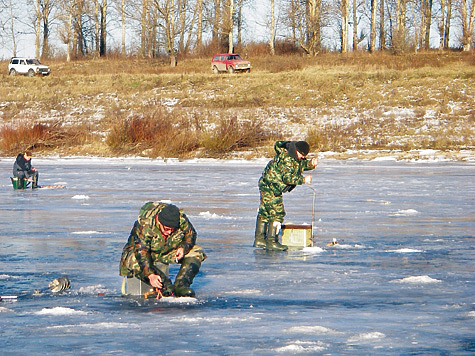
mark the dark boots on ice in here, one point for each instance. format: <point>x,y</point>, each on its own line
<point>188,270</point>
<point>260,235</point>
<point>272,241</point>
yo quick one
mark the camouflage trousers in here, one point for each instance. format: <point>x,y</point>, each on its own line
<point>133,268</point>
<point>271,207</point>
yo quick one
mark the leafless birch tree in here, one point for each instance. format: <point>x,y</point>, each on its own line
<point>272,28</point>
<point>467,16</point>
<point>372,40</point>
<point>345,5</point>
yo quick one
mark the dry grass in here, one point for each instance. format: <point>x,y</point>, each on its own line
<point>41,137</point>
<point>339,102</point>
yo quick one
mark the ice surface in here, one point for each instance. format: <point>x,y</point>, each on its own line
<point>399,281</point>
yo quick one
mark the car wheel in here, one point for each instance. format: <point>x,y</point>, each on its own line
<point>31,73</point>
<point>215,70</point>
<point>12,72</point>
<point>230,70</point>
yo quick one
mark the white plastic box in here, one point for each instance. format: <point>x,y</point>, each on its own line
<point>298,236</point>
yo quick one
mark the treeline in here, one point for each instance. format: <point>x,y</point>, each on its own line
<point>149,28</point>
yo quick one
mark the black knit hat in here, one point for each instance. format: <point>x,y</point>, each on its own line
<point>169,216</point>
<point>302,147</point>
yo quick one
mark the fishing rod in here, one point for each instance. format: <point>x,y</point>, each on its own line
<point>57,285</point>
<point>334,241</point>
<point>313,209</point>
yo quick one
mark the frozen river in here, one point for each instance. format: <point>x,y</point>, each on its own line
<point>401,280</point>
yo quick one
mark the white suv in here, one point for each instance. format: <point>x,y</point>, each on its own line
<point>27,66</point>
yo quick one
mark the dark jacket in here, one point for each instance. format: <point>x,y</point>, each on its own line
<point>22,168</point>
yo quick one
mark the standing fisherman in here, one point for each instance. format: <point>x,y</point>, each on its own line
<point>22,169</point>
<point>162,235</point>
<point>281,175</point>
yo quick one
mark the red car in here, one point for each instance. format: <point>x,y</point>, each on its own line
<point>229,62</point>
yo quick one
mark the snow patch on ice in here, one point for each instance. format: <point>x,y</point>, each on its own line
<point>181,300</point>
<point>98,288</point>
<point>80,197</point>
<point>244,292</point>
<point>301,347</point>
<point>60,311</point>
<point>215,320</point>
<point>5,310</point>
<point>7,276</point>
<point>406,250</point>
<point>98,326</point>
<point>208,215</point>
<point>406,212</point>
<point>311,329</point>
<point>417,280</point>
<point>364,337</point>
<point>91,232</point>
<point>346,246</point>
<point>471,313</point>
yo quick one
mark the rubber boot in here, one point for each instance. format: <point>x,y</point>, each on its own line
<point>272,241</point>
<point>34,185</point>
<point>188,270</point>
<point>167,288</point>
<point>260,235</point>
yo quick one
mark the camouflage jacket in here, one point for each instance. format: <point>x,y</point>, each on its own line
<point>283,172</point>
<point>148,245</point>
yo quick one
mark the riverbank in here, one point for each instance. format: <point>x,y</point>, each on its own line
<point>346,106</point>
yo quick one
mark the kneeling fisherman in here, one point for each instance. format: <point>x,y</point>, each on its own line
<point>282,174</point>
<point>162,235</point>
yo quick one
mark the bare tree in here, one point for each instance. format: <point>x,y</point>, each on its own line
<point>355,26</point>
<point>166,9</point>
<point>12,28</point>
<point>272,28</point>
<point>230,26</point>
<point>447,24</point>
<point>467,15</point>
<point>399,38</point>
<point>313,45</point>
<point>382,32</point>
<point>66,30</point>
<point>427,22</point>
<point>372,37</point>
<point>47,9</point>
<point>199,27</point>
<point>122,15</point>
<point>37,27</point>
<point>344,25</point>
<point>216,21</point>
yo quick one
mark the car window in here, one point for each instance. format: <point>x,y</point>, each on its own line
<point>221,58</point>
<point>32,61</point>
<point>22,61</point>
<point>216,58</point>
<point>15,61</point>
